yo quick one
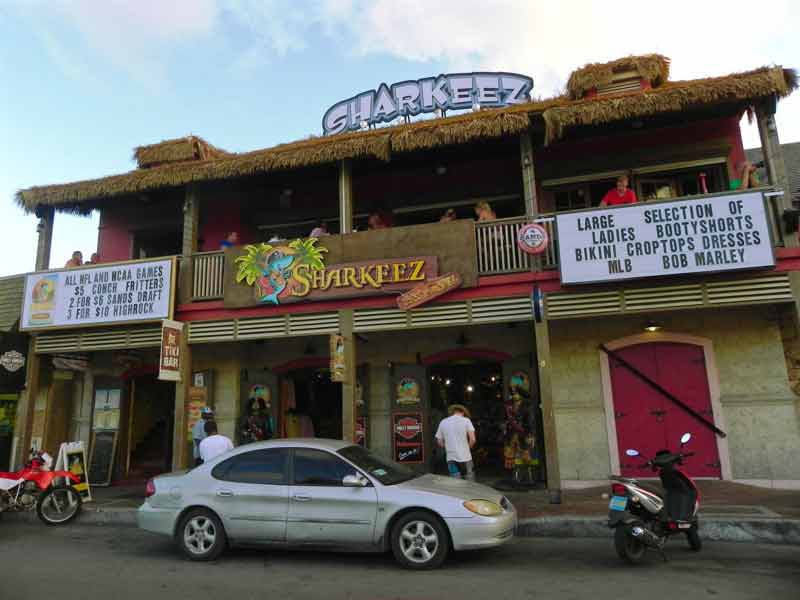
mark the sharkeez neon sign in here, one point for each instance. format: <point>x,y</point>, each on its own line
<point>456,91</point>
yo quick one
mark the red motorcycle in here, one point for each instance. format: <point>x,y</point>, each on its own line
<point>36,486</point>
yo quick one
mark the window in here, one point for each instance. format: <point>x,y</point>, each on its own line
<point>315,467</point>
<point>386,471</point>
<point>269,467</point>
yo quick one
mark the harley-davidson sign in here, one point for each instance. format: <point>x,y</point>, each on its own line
<point>409,444</point>
<point>12,361</point>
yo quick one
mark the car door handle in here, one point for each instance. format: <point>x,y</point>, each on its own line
<point>224,493</point>
<point>301,498</point>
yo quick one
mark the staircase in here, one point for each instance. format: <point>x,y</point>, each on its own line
<point>152,455</point>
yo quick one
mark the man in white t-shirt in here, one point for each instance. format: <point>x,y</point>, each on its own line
<point>213,444</point>
<point>199,432</point>
<point>457,435</point>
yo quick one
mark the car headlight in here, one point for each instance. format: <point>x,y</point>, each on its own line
<point>484,508</point>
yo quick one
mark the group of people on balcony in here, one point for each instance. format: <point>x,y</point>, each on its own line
<point>77,260</point>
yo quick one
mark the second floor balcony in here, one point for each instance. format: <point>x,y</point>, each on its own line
<point>497,250</point>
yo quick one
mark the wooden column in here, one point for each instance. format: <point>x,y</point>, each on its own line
<point>45,239</point>
<point>542,332</point>
<point>24,424</point>
<point>528,174</point>
<point>773,160</point>
<point>180,436</point>
<point>349,384</point>
<point>345,196</point>
<point>191,224</point>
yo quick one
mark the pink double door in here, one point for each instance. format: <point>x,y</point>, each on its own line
<point>649,421</point>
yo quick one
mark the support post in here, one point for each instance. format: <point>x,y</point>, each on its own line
<point>191,224</point>
<point>345,196</point>
<point>528,174</point>
<point>773,160</point>
<point>45,239</point>
<point>180,435</point>
<point>24,424</point>
<point>350,378</point>
<point>542,332</point>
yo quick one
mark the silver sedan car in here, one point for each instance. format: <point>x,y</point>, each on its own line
<point>320,493</point>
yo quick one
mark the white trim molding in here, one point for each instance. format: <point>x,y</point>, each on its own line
<point>713,389</point>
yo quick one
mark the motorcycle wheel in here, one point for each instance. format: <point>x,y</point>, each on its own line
<point>59,505</point>
<point>693,537</point>
<point>628,547</point>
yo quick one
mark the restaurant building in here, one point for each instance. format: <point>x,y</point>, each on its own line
<point>570,332</point>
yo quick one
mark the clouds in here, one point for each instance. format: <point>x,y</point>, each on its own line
<point>133,37</point>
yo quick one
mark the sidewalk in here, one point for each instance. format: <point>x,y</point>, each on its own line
<point>729,512</point>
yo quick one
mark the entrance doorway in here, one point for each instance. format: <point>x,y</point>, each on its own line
<point>478,385</point>
<point>150,427</point>
<point>648,421</point>
<point>317,410</point>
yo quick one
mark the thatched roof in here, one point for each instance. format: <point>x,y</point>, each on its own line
<point>558,115</point>
<point>673,96</point>
<point>183,149</point>
<point>652,67</point>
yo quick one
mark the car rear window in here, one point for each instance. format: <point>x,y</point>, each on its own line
<point>266,467</point>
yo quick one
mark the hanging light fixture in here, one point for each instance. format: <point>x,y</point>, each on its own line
<point>470,388</point>
<point>652,326</point>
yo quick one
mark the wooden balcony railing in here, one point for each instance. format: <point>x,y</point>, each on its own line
<point>498,251</point>
<point>208,269</point>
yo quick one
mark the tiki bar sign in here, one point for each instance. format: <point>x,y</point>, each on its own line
<point>458,91</point>
<point>297,272</point>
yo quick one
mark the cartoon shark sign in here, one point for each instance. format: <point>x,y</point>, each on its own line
<point>297,271</point>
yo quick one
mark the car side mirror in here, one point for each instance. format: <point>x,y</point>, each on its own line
<point>354,481</point>
<point>632,452</point>
<point>685,438</point>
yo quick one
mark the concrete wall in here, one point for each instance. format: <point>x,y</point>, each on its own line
<point>760,410</point>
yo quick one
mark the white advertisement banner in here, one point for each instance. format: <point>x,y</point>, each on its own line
<point>703,235</point>
<point>81,297</point>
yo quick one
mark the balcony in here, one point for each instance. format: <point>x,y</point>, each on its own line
<point>495,244</point>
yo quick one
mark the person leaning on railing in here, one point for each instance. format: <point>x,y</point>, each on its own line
<point>748,177</point>
<point>620,194</point>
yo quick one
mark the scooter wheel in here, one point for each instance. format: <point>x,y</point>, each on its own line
<point>693,537</point>
<point>629,549</point>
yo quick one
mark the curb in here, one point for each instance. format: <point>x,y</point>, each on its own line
<point>119,517</point>
<point>759,531</point>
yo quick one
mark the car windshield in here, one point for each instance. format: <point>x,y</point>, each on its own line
<point>385,471</point>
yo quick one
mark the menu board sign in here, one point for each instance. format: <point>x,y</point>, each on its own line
<point>703,235</point>
<point>136,291</point>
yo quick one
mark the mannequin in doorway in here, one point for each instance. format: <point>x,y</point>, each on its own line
<point>520,443</point>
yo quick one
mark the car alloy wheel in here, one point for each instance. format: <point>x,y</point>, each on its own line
<point>202,536</point>
<point>419,540</point>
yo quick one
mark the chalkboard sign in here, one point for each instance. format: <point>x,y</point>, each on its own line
<point>101,461</point>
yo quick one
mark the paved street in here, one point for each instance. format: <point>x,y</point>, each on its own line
<point>87,562</point>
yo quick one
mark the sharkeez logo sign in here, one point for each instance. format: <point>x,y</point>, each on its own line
<point>704,235</point>
<point>457,91</point>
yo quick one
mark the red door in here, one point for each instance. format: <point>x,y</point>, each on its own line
<point>648,421</point>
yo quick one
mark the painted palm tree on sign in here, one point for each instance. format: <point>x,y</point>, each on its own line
<point>272,268</point>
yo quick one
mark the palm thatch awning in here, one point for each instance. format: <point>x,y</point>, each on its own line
<point>673,96</point>
<point>652,67</point>
<point>184,149</point>
<point>176,163</point>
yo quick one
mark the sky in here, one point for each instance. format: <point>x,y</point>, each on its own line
<point>83,82</point>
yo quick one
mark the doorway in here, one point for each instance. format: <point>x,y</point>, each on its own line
<point>317,407</point>
<point>150,427</point>
<point>647,420</point>
<point>478,385</point>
